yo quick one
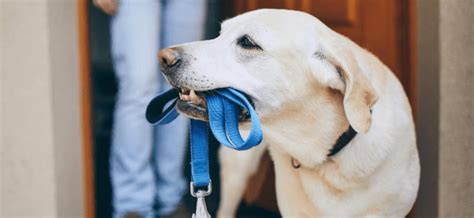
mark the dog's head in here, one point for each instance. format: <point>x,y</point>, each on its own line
<point>278,58</point>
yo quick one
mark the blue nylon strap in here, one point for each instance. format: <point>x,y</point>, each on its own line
<point>156,111</point>
<point>199,153</point>
<point>223,113</point>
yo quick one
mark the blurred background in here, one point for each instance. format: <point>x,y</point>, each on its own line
<point>59,91</point>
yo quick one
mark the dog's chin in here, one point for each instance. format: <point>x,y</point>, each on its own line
<point>192,110</point>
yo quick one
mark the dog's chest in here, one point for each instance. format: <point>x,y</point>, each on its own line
<point>325,189</point>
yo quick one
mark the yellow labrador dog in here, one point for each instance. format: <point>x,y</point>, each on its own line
<point>336,120</point>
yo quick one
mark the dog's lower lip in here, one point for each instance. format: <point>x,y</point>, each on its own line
<point>192,110</point>
<point>192,104</point>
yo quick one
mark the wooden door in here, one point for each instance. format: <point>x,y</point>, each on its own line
<point>384,27</point>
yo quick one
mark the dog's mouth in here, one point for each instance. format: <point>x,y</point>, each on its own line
<point>193,104</point>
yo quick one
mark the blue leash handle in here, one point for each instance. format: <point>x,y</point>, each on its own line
<point>223,112</point>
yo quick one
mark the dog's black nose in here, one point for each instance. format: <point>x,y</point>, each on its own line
<point>169,58</point>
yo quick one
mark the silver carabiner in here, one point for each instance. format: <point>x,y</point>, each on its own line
<point>201,208</point>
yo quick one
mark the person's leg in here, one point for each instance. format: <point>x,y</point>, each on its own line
<point>182,21</point>
<point>135,43</point>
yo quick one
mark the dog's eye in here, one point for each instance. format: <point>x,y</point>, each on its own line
<point>247,43</point>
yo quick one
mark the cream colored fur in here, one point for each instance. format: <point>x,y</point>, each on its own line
<point>308,84</point>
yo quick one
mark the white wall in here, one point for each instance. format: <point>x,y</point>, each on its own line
<point>41,169</point>
<point>445,108</point>
<point>456,151</point>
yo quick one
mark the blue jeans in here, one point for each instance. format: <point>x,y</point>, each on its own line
<point>147,162</point>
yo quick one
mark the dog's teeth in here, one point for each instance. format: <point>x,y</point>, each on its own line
<point>185,91</point>
<point>192,94</point>
<point>180,95</point>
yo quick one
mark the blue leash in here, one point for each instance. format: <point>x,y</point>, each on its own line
<point>223,111</point>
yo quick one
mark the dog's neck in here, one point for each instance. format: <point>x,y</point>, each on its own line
<point>307,128</point>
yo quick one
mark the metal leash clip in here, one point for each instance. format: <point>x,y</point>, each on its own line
<point>201,208</point>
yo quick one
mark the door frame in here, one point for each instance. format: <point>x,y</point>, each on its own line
<point>86,115</point>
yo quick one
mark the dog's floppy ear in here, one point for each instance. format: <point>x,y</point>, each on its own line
<point>359,95</point>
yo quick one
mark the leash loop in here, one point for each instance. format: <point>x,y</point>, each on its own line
<point>223,119</point>
<point>223,114</point>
